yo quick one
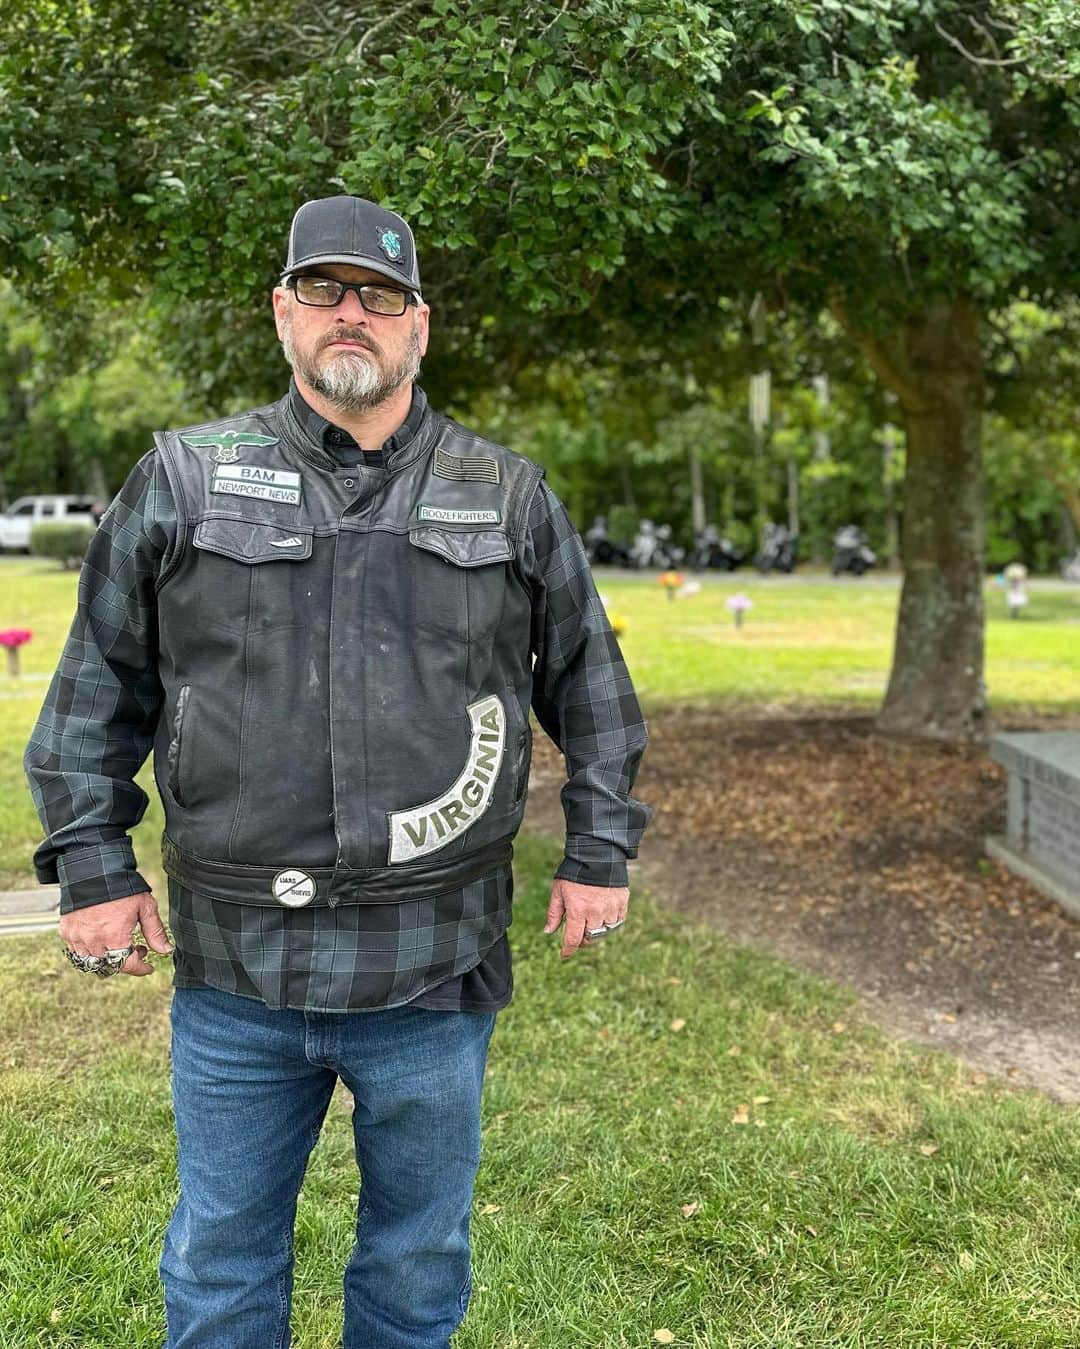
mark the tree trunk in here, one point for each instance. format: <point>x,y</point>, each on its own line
<point>1070,500</point>
<point>697,492</point>
<point>1070,524</point>
<point>627,483</point>
<point>934,365</point>
<point>892,515</point>
<point>793,494</point>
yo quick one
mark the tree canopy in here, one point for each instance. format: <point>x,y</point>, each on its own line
<point>596,177</point>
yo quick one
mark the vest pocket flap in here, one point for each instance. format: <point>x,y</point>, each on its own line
<point>465,548</point>
<point>252,540</point>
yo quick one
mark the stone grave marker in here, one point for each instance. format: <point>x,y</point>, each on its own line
<point>1042,832</point>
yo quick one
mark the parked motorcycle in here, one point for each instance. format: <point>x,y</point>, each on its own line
<point>852,551</point>
<point>601,549</point>
<point>1070,567</point>
<point>712,549</point>
<point>779,550</point>
<point>653,547</point>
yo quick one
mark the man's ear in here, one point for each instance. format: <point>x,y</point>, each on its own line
<point>280,300</point>
<point>423,312</point>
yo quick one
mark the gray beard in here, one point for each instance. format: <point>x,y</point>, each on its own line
<point>353,383</point>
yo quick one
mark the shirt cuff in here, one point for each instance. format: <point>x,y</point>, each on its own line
<point>98,874</point>
<point>591,861</point>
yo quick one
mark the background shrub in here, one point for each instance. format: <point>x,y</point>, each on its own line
<point>65,540</point>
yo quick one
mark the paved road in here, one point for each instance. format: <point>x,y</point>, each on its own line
<point>29,910</point>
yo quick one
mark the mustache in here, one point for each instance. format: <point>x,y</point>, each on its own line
<point>344,334</point>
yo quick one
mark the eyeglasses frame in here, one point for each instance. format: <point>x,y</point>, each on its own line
<point>357,286</point>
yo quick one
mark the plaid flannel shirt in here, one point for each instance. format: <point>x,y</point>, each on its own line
<point>451,951</point>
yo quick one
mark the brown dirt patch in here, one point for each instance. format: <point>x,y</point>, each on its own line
<point>861,858</point>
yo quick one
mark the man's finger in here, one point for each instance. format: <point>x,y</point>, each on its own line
<point>573,935</point>
<point>555,912</point>
<point>153,929</point>
<point>137,963</point>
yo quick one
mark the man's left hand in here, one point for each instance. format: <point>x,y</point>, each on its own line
<point>583,907</point>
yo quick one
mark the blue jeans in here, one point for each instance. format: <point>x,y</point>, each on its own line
<point>251,1088</point>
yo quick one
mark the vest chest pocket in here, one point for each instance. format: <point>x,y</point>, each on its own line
<point>459,580</point>
<point>234,583</point>
<point>253,540</point>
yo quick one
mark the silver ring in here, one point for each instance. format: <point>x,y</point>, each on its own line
<point>104,965</point>
<point>595,933</point>
<point>88,964</point>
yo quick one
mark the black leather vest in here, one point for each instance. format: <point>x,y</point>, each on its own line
<point>346,663</point>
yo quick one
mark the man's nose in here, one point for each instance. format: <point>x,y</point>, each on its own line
<point>349,309</point>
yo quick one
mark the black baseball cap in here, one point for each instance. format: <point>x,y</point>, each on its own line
<point>354,231</point>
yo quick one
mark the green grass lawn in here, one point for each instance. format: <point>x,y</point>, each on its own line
<point>826,642</point>
<point>873,1195</point>
<point>679,1135</point>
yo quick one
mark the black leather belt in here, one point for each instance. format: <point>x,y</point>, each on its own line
<point>302,886</point>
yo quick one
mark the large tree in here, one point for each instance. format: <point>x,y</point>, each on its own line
<point>593,174</point>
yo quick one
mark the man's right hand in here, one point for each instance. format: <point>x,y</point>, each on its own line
<point>111,926</point>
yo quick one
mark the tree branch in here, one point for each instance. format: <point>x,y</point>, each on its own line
<point>977,60</point>
<point>887,360</point>
<point>358,51</point>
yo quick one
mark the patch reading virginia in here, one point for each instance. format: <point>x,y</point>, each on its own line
<point>249,480</point>
<point>293,888</point>
<point>447,515</point>
<point>426,828</point>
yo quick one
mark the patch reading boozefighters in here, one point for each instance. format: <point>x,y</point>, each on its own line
<point>426,828</point>
<point>293,888</point>
<point>250,480</point>
<point>447,515</point>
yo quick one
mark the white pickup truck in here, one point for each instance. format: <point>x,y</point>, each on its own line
<point>22,515</point>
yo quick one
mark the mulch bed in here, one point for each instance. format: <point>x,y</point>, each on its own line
<point>862,858</point>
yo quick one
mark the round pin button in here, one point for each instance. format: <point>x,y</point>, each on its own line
<point>349,482</point>
<point>293,888</point>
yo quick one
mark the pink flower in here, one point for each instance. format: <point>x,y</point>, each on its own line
<point>15,637</point>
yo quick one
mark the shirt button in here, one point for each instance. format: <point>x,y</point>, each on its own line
<point>350,482</point>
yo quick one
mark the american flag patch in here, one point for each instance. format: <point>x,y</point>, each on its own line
<point>466,467</point>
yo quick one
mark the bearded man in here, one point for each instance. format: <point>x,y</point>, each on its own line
<point>328,618</point>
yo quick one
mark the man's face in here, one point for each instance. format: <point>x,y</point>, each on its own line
<point>354,359</point>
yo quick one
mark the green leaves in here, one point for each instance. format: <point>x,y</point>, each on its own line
<point>795,145</point>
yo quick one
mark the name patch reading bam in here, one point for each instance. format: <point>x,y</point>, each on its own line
<point>447,515</point>
<point>249,480</point>
<point>426,828</point>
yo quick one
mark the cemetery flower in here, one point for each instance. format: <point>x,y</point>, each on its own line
<point>739,604</point>
<point>670,580</point>
<point>13,638</point>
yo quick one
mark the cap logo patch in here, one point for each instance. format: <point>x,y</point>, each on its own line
<point>390,243</point>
